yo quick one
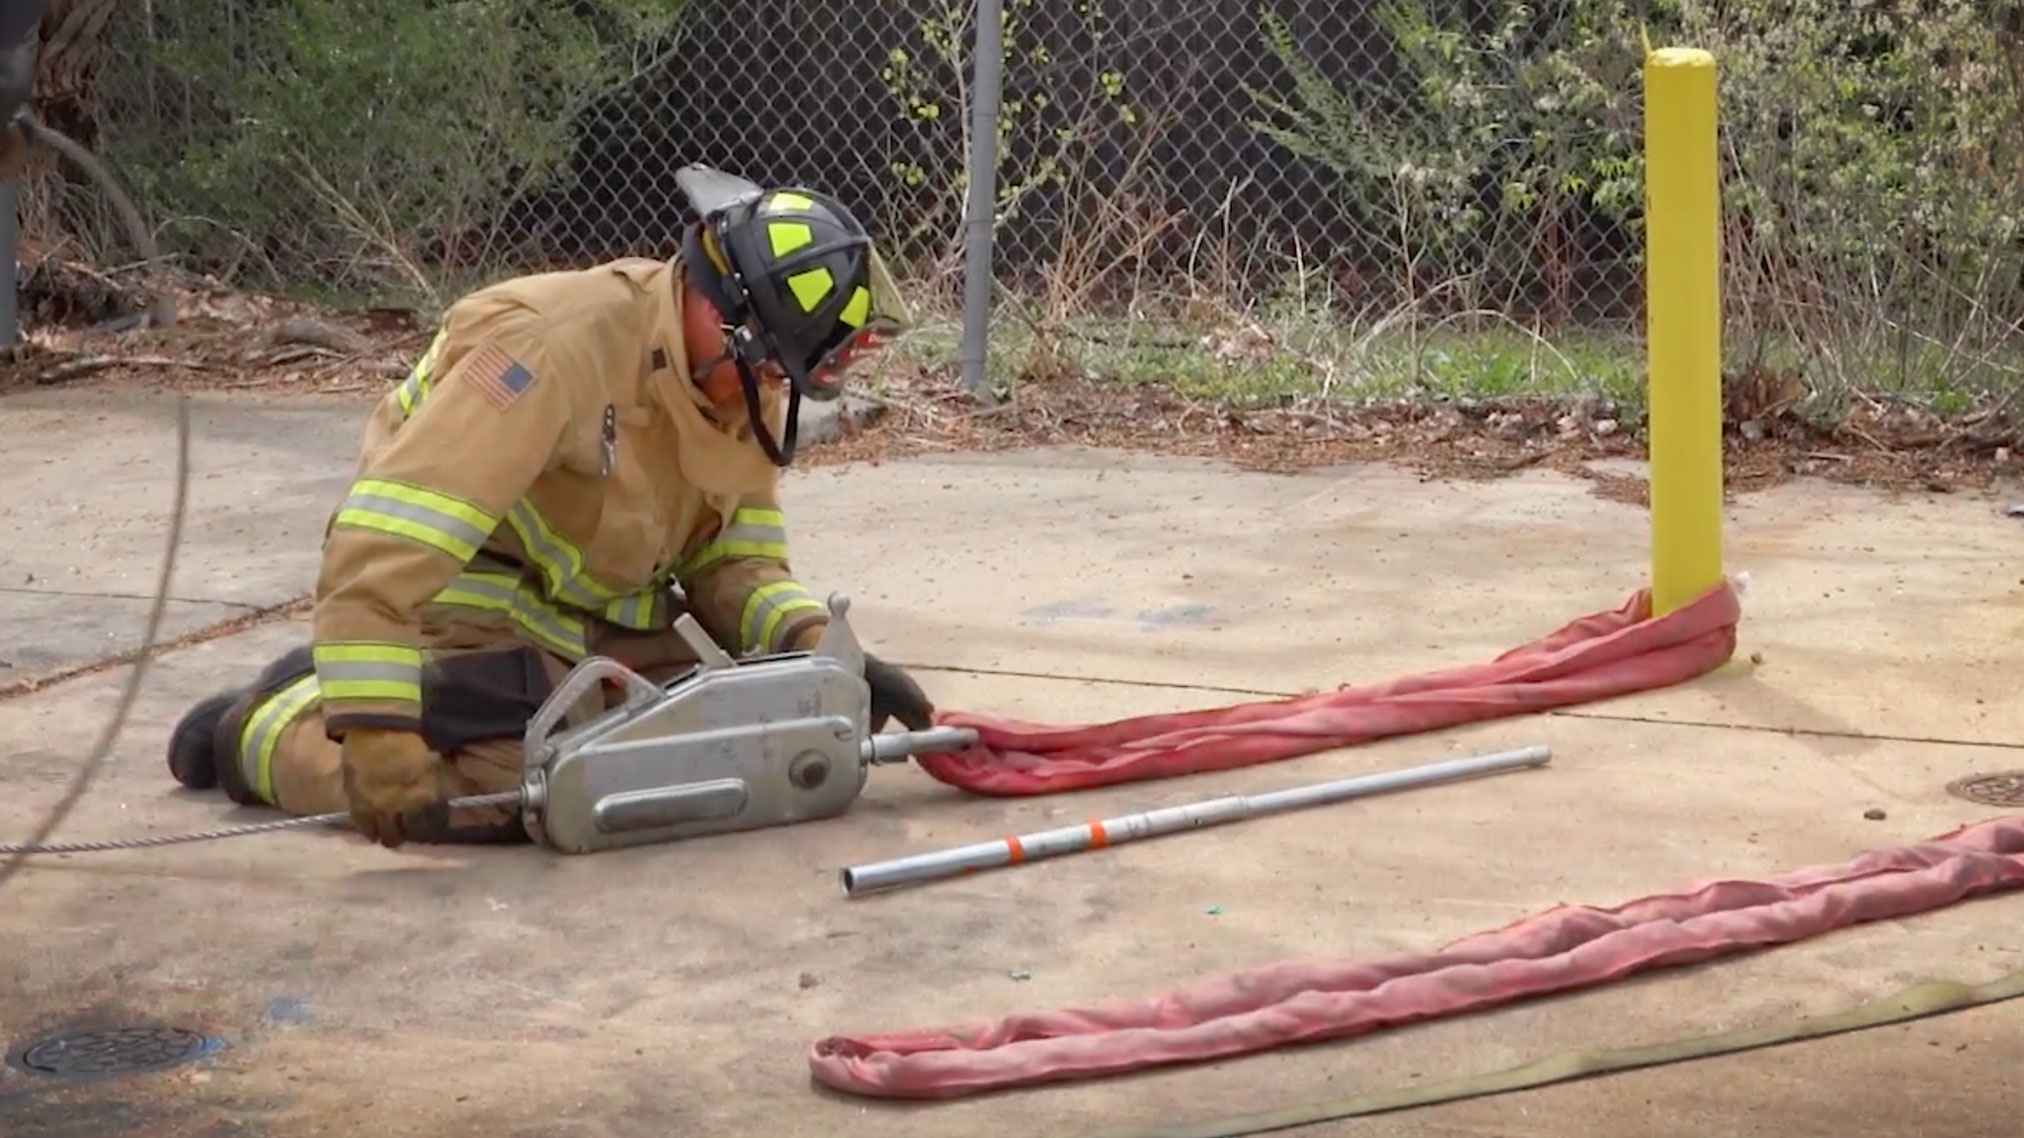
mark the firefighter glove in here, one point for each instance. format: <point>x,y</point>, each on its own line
<point>895,695</point>
<point>389,774</point>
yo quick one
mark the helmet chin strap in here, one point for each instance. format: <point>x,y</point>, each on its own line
<point>781,456</point>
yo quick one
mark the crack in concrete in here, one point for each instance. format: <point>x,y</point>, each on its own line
<point>111,596</point>
<point>1565,713</point>
<point>1809,732</point>
<point>256,616</point>
<point>252,618</point>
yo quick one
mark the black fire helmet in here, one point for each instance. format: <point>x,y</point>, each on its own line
<point>797,281</point>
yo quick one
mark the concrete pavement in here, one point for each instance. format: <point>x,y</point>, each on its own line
<point>511,993</point>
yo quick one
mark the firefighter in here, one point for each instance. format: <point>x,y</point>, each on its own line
<point>575,458</point>
<point>20,44</point>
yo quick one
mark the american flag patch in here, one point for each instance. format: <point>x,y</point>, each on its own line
<point>498,376</point>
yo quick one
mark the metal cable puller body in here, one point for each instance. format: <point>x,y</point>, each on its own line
<point>728,745</point>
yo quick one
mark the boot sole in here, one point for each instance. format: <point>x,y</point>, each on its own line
<point>193,756</point>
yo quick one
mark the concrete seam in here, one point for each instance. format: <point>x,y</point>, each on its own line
<point>1564,713</point>
<point>29,684</point>
<point>88,595</point>
<point>1810,732</point>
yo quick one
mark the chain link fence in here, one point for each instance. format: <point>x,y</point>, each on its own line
<point>1242,195</point>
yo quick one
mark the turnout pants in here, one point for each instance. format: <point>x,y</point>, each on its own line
<point>483,680</point>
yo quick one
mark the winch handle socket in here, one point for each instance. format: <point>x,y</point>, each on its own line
<point>899,746</point>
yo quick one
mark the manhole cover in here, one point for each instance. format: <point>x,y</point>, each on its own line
<point>111,1051</point>
<point>2004,788</point>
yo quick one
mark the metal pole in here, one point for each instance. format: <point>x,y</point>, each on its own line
<point>987,60</point>
<point>899,746</point>
<point>1152,823</point>
<point>10,240</point>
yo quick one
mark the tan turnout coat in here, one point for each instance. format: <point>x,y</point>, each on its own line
<point>550,462</point>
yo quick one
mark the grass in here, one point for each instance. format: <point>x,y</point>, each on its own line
<point>1295,352</point>
<point>1253,363</point>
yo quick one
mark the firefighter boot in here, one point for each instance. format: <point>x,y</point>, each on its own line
<point>194,745</point>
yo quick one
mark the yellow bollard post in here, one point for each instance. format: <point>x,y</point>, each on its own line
<point>1683,324</point>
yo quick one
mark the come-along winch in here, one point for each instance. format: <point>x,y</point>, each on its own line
<point>727,745</point>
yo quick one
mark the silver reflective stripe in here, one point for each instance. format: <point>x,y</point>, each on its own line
<point>415,387</point>
<point>754,532</point>
<point>767,610</point>
<point>501,589</point>
<point>366,507</point>
<point>558,632</point>
<point>369,671</point>
<point>364,671</point>
<point>640,611</point>
<point>411,392</point>
<point>264,728</point>
<point>560,562</point>
<point>521,602</point>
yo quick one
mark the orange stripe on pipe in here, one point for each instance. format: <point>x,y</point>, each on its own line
<point>1016,851</point>
<point>1097,837</point>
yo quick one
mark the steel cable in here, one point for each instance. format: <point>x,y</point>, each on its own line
<point>103,747</point>
<point>25,849</point>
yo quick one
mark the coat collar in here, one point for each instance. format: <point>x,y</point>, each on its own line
<point>727,457</point>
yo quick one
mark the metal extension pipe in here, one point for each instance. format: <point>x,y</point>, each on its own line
<point>881,875</point>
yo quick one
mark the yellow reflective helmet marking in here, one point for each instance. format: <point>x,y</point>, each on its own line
<point>859,307</point>
<point>787,236</point>
<point>810,286</point>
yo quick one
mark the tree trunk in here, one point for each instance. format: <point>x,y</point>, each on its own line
<point>52,220</point>
<point>73,51</point>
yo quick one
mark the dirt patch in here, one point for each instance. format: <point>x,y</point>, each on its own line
<point>225,341</point>
<point>83,326</point>
<point>1878,444</point>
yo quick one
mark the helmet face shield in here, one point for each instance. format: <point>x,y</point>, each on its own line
<point>823,377</point>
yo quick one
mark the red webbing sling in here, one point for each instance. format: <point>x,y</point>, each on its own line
<point>1599,656</point>
<point>1309,1000</point>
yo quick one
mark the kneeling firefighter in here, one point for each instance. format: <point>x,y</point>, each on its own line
<point>575,459</point>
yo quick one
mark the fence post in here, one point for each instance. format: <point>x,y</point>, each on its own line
<point>987,59</point>
<point>10,244</point>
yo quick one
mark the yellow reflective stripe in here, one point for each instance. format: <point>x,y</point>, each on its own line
<point>415,387</point>
<point>753,532</point>
<point>767,608</point>
<point>505,593</point>
<point>263,730</point>
<point>560,561</point>
<point>369,670</point>
<point>640,611</point>
<point>411,392</point>
<point>430,517</point>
